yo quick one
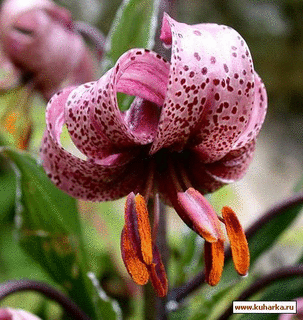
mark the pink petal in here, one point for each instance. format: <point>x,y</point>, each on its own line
<point>92,110</point>
<point>258,115</point>
<point>234,165</point>
<point>106,179</point>
<point>203,217</point>
<point>142,119</point>
<point>82,125</point>
<point>210,90</point>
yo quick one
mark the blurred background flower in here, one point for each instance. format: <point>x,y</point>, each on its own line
<point>39,38</point>
<point>14,314</point>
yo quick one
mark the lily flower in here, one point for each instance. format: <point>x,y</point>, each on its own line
<point>16,314</point>
<point>190,130</point>
<point>39,38</point>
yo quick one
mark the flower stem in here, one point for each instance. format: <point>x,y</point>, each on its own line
<point>68,305</point>
<point>286,272</point>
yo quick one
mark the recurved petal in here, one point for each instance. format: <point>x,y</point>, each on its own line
<point>142,119</point>
<point>257,117</point>
<point>233,166</point>
<point>82,125</point>
<point>92,110</point>
<point>107,179</point>
<point>210,89</point>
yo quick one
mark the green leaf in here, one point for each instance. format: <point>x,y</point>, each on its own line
<point>134,26</point>
<point>49,229</point>
<point>268,233</point>
<point>7,192</point>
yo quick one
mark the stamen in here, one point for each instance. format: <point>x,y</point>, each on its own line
<point>150,181</point>
<point>214,261</point>
<point>184,176</point>
<point>173,177</point>
<point>238,241</point>
<point>135,267</point>
<point>156,212</point>
<point>144,229</point>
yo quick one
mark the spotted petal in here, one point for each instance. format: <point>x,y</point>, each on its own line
<point>234,165</point>
<point>210,90</point>
<point>107,179</point>
<point>257,117</point>
<point>93,112</point>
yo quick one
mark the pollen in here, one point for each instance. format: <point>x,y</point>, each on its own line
<point>144,229</point>
<point>135,267</point>
<point>214,261</point>
<point>238,241</point>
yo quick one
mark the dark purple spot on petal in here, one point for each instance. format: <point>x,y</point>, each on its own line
<point>204,70</point>
<point>197,56</point>
<point>212,60</point>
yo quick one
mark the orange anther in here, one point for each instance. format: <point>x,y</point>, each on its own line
<point>238,241</point>
<point>144,229</point>
<point>135,267</point>
<point>214,261</point>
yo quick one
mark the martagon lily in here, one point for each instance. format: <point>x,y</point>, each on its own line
<point>190,130</point>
